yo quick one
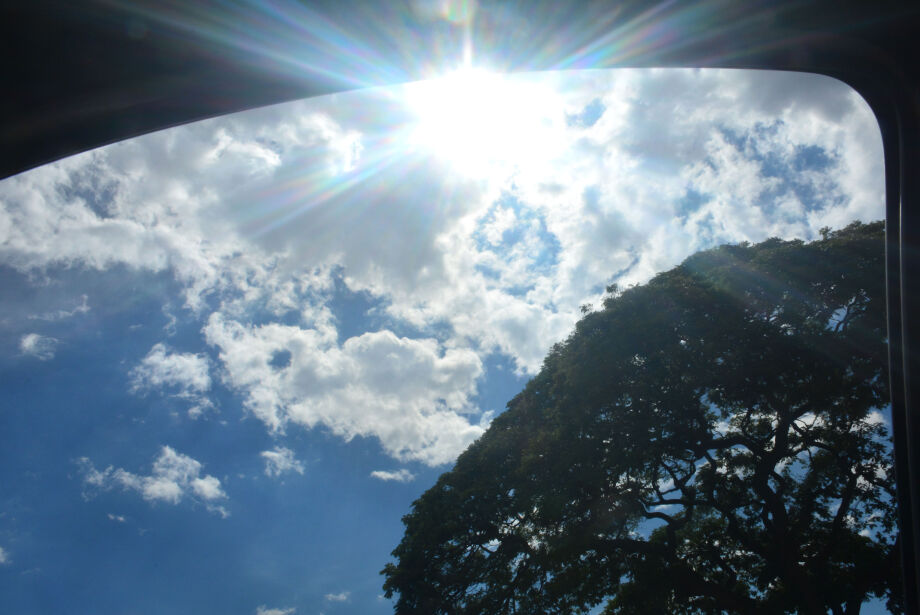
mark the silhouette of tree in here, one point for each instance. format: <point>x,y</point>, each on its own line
<point>712,441</point>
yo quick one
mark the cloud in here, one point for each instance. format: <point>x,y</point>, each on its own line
<point>408,393</point>
<point>4,557</point>
<point>116,518</point>
<point>38,346</point>
<point>400,476</point>
<point>266,218</point>
<point>264,610</point>
<point>340,597</point>
<point>188,372</point>
<point>153,204</point>
<point>280,460</point>
<point>174,477</point>
<point>510,260</point>
<point>185,372</point>
<point>81,308</point>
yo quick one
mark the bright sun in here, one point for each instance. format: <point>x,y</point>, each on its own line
<point>483,123</point>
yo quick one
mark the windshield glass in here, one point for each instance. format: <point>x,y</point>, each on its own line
<point>235,352</point>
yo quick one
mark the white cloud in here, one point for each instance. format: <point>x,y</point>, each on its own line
<point>116,518</point>
<point>264,610</point>
<point>61,314</point>
<point>187,371</point>
<point>174,477</point>
<point>201,405</point>
<point>208,488</point>
<point>38,346</point>
<point>169,200</point>
<point>615,199</point>
<point>339,597</point>
<point>251,213</point>
<point>408,393</point>
<point>4,557</point>
<point>400,476</point>
<point>281,460</point>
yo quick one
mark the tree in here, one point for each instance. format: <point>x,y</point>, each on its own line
<point>708,442</point>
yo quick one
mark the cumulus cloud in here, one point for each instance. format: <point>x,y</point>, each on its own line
<point>174,476</point>
<point>186,373</point>
<point>169,200</point>
<point>38,346</point>
<point>400,476</point>
<point>264,217</point>
<point>508,261</point>
<point>281,460</point>
<point>339,597</point>
<point>264,610</point>
<point>410,394</point>
<point>4,557</point>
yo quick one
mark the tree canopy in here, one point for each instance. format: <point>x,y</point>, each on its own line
<point>712,441</point>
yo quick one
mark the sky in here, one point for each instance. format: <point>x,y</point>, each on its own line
<point>234,352</point>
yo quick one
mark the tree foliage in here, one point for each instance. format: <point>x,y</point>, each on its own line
<point>708,442</point>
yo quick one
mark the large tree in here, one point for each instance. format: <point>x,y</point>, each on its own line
<point>709,442</point>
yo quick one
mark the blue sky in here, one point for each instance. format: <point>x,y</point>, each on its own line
<point>234,352</point>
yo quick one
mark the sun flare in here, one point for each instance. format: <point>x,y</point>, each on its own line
<point>482,122</point>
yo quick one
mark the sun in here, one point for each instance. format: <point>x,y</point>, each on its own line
<point>482,123</point>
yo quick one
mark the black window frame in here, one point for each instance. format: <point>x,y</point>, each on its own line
<point>78,75</point>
